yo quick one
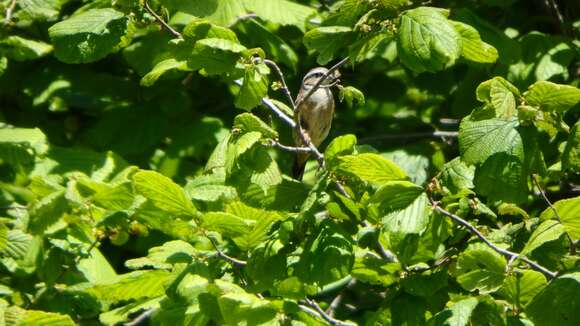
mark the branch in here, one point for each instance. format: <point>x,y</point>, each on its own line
<point>318,312</point>
<point>335,303</point>
<point>504,252</point>
<point>221,254</point>
<point>292,149</point>
<point>543,193</point>
<point>9,11</point>
<point>285,88</point>
<point>141,318</point>
<point>162,22</point>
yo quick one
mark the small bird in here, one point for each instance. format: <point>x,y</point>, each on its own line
<point>315,113</point>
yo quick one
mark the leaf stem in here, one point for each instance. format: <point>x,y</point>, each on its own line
<point>502,251</point>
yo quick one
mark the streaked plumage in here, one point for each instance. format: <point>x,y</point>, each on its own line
<point>315,113</point>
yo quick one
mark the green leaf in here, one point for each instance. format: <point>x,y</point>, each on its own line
<point>395,195</point>
<point>557,304</point>
<point>478,140</point>
<point>47,212</point>
<point>21,49</point>
<point>547,231</point>
<point>571,154</point>
<point>164,256</point>
<point>254,88</point>
<point>341,145</point>
<point>247,122</point>
<point>412,219</point>
<point>327,41</point>
<point>163,193</point>
<point>520,287</point>
<point>568,214</point>
<point>161,68</point>
<point>39,10</point>
<point>473,48</point>
<point>89,36</point>
<point>211,192</point>
<point>502,177</point>
<point>246,309</point>
<point>227,224</point>
<point>223,12</point>
<point>427,41</point>
<point>95,268</point>
<point>480,268</point>
<point>281,12</point>
<point>458,314</point>
<point>370,167</point>
<point>132,286</point>
<point>200,28</point>
<point>550,96</point>
<point>30,138</point>
<point>499,94</point>
<point>425,285</point>
<point>351,95</point>
<point>457,175</point>
<point>369,268</point>
<point>38,318</point>
<point>215,55</point>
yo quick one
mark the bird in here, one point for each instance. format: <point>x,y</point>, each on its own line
<point>314,114</point>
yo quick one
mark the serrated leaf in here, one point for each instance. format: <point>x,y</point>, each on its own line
<point>371,168</point>
<point>458,314</point>
<point>164,256</point>
<point>568,214</point>
<point>500,94</point>
<point>17,244</point>
<point>351,95</point>
<point>31,138</point>
<point>480,268</point>
<point>227,224</point>
<point>200,28</point>
<point>374,270</point>
<point>472,47</point>
<point>547,231</point>
<point>246,309</point>
<point>550,96</point>
<point>457,175</point>
<point>427,41</point>
<point>395,195</point>
<point>215,55</point>
<point>248,122</point>
<point>89,36</point>
<point>502,177</point>
<point>341,145</point>
<point>47,212</point>
<point>39,318</point>
<point>425,285</point>
<point>163,193</point>
<point>21,49</point>
<point>412,219</point>
<point>254,88</point>
<point>478,140</point>
<point>132,286</point>
<point>281,12</point>
<point>521,287</point>
<point>327,41</point>
<point>161,68</point>
<point>557,303</point>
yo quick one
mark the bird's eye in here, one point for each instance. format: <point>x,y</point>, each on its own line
<point>318,74</point>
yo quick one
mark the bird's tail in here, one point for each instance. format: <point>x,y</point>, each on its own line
<point>299,165</point>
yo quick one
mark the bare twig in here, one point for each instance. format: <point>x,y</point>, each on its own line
<point>322,314</point>
<point>553,6</point>
<point>543,193</point>
<point>141,318</point>
<point>290,148</point>
<point>432,134</point>
<point>335,303</point>
<point>322,79</point>
<point>502,251</point>
<point>161,21</point>
<point>242,18</point>
<point>221,254</point>
<point>285,88</point>
<point>9,11</point>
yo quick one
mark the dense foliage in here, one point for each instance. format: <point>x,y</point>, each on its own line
<point>144,173</point>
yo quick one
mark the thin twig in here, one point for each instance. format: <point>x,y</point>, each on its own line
<point>9,11</point>
<point>141,318</point>
<point>553,5</point>
<point>335,303</point>
<point>324,315</point>
<point>222,254</point>
<point>321,80</point>
<point>502,251</point>
<point>285,88</point>
<point>290,148</point>
<point>543,193</point>
<point>242,18</point>
<point>162,22</point>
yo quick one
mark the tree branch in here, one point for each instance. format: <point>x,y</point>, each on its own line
<point>9,11</point>
<point>285,88</point>
<point>141,318</point>
<point>543,193</point>
<point>292,149</point>
<point>318,312</point>
<point>221,254</point>
<point>161,21</point>
<point>502,251</point>
<point>322,79</point>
